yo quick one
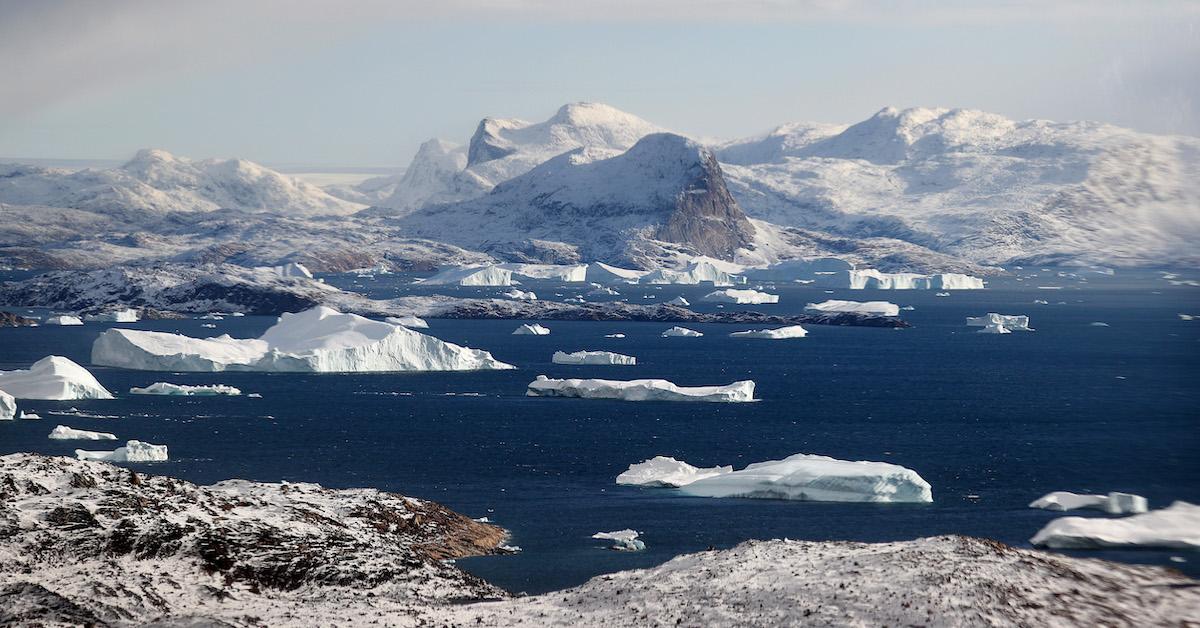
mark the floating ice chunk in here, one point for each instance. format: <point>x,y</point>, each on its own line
<point>623,540</point>
<point>679,301</point>
<point>569,273</point>
<point>319,340</point>
<point>681,332</point>
<point>1125,504</point>
<point>471,276</point>
<point>907,308</point>
<point>54,378</point>
<point>1041,302</point>
<point>127,315</point>
<point>603,273</point>
<point>639,390</point>
<point>1187,317</point>
<point>163,388</point>
<point>1011,322</point>
<point>1066,500</point>
<point>212,316</point>
<point>817,478</point>
<point>8,406</point>
<point>1098,324</point>
<point>663,471</point>
<point>868,308</point>
<point>521,295</point>
<point>1177,526</point>
<point>603,292</point>
<point>63,320</point>
<point>29,416</point>
<point>411,322</point>
<point>133,451</point>
<point>781,333</point>
<point>994,328</point>
<point>695,273</point>
<point>62,432</point>
<point>614,335</point>
<point>941,294</point>
<point>741,297</point>
<point>593,357</point>
<point>208,326</point>
<point>531,330</point>
<point>869,278</point>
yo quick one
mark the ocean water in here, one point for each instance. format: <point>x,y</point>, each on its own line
<point>992,422</point>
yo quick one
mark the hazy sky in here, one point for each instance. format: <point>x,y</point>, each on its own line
<point>363,83</point>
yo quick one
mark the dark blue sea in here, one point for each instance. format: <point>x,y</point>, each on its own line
<point>991,421</point>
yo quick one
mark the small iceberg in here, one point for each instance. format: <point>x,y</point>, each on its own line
<point>740,297</point>
<point>531,330</point>
<point>521,295</point>
<point>614,335</point>
<point>681,332</point>
<point>163,388</point>
<point>127,315</point>
<point>1098,324</point>
<point>781,333</point>
<point>63,320</point>
<point>680,301</point>
<point>1176,527</point>
<point>994,328</point>
<point>470,276</point>
<point>8,406</point>
<point>1010,322</point>
<point>941,294</point>
<point>1114,503</point>
<point>53,378</point>
<point>593,357</point>
<point>411,322</point>
<point>639,390</point>
<point>29,416</point>
<point>866,308</point>
<point>808,477</point>
<point>133,451</point>
<point>603,291</point>
<point>62,432</point>
<point>667,472</point>
<point>623,540</point>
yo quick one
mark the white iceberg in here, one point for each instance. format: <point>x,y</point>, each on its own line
<point>780,333</point>
<point>164,388</point>
<point>319,340</point>
<point>531,330</point>
<point>869,278</point>
<point>741,297</point>
<point>867,308</point>
<point>639,390</point>
<point>568,273</point>
<point>679,301</point>
<point>29,416</point>
<point>603,291</point>
<point>64,320</point>
<point>133,451</point>
<point>521,295</point>
<point>809,477</point>
<point>1011,322</point>
<point>941,294</point>
<point>593,357</point>
<point>614,335</point>
<point>695,273</point>
<point>53,378</point>
<point>8,406</point>
<point>62,432</point>
<point>1114,503</point>
<point>604,273</point>
<point>411,322</point>
<point>127,315</point>
<point>623,540</point>
<point>663,471</point>
<point>470,276</point>
<point>681,332</point>
<point>994,328</point>
<point>1177,526</point>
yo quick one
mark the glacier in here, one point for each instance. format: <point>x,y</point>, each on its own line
<point>133,451</point>
<point>1177,526</point>
<point>664,471</point>
<point>531,330</point>
<point>164,388</point>
<point>318,340</point>
<point>639,390</point>
<point>741,297</point>
<point>1113,503</point>
<point>53,378</point>
<point>868,308</point>
<point>62,432</point>
<point>810,477</point>
<point>593,357</point>
<point>780,333</point>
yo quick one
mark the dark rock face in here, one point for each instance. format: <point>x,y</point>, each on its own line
<point>28,604</point>
<point>8,319</point>
<point>706,217</point>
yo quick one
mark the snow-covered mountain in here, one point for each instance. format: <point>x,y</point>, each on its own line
<point>980,186</point>
<point>157,182</point>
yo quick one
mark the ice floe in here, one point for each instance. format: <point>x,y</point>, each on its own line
<point>623,540</point>
<point>133,451</point>
<point>779,333</point>
<point>593,357</point>
<point>614,335</point>
<point>639,390</point>
<point>1177,526</point>
<point>29,416</point>
<point>531,330</point>
<point>1114,503</point>
<point>164,388</point>
<point>810,477</point>
<point>53,378</point>
<point>741,297</point>
<point>681,332</point>
<point>64,320</point>
<point>62,432</point>
<point>664,471</point>
<point>867,308</point>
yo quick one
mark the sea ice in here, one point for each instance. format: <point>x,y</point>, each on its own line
<point>639,390</point>
<point>817,478</point>
<point>54,378</point>
<point>614,335</point>
<point>531,330</point>
<point>127,315</point>
<point>623,540</point>
<point>868,308</point>
<point>63,432</point>
<point>663,471</point>
<point>62,320</point>
<point>681,332</point>
<point>1177,526</point>
<point>791,331</point>
<point>163,388</point>
<point>741,297</point>
<point>593,357</point>
<point>133,451</point>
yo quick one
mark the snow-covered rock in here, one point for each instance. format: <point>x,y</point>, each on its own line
<point>531,330</point>
<point>681,332</point>
<point>639,390</point>
<point>623,540</point>
<point>8,406</point>
<point>164,388</point>
<point>62,320</point>
<point>791,331</point>
<point>680,301</point>
<point>53,378</point>
<point>871,279</point>
<point>133,451</point>
<point>1177,526</point>
<point>810,477</point>
<point>125,315</point>
<point>521,295</point>
<point>741,297</point>
<point>1011,322</point>
<point>593,357</point>
<point>62,432</point>
<point>1114,503</point>
<point>411,322</point>
<point>868,308</point>
<point>663,471</point>
<point>471,276</point>
<point>320,339</point>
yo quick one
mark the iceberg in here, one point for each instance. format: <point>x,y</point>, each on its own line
<point>639,390</point>
<point>663,471</point>
<point>163,388</point>
<point>695,273</point>
<point>8,406</point>
<point>62,432</point>
<point>1011,322</point>
<point>521,295</point>
<point>133,451</point>
<point>603,291</point>
<point>1177,526</point>
<point>127,315</point>
<point>470,276</point>
<point>593,357</point>
<point>867,308</point>
<point>319,340</point>
<point>994,328</point>
<point>623,540</point>
<point>871,279</point>
<point>531,330</point>
<point>53,378</point>
<point>567,273</point>
<point>29,416</point>
<point>1114,503</point>
<point>603,273</point>
<point>809,477</point>
<point>780,333</point>
<point>681,332</point>
<point>679,301</point>
<point>411,322</point>
<point>614,335</point>
<point>941,294</point>
<point>741,297</point>
<point>62,320</point>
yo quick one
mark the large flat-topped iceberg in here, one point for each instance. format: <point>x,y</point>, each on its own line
<point>809,477</point>
<point>741,297</point>
<point>871,279</point>
<point>64,320</point>
<point>1113,503</point>
<point>470,276</point>
<point>133,451</point>
<point>866,308</point>
<point>1009,322</point>
<point>779,333</point>
<point>164,388</point>
<point>62,432</point>
<point>593,357</point>
<point>664,471</point>
<point>639,390</point>
<point>127,315</point>
<point>695,273</point>
<point>681,332</point>
<point>604,273</point>
<point>319,340</point>
<point>623,540</point>
<point>53,378</point>
<point>567,273</point>
<point>1175,527</point>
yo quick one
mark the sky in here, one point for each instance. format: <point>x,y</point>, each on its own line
<point>364,82</point>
